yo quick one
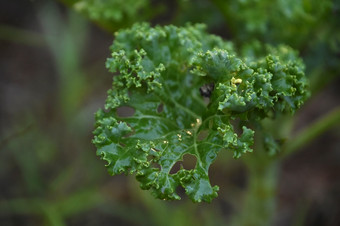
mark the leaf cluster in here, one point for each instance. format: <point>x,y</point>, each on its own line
<point>161,74</point>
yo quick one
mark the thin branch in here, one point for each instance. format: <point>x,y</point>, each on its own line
<point>14,135</point>
<point>328,121</point>
<point>21,36</point>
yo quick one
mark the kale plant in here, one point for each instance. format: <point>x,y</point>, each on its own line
<point>192,93</point>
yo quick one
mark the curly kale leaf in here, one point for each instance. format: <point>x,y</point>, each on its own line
<point>162,72</point>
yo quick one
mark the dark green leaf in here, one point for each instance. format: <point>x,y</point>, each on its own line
<point>161,71</point>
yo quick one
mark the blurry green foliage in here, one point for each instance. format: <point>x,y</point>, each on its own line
<point>311,26</point>
<point>48,171</point>
<point>114,14</point>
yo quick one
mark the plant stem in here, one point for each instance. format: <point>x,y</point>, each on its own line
<point>259,205</point>
<point>306,135</point>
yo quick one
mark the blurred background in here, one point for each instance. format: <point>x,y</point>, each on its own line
<point>53,79</point>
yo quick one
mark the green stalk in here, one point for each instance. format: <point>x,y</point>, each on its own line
<point>259,204</point>
<point>314,130</point>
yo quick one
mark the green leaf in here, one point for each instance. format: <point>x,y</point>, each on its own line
<point>162,71</point>
<point>111,11</point>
